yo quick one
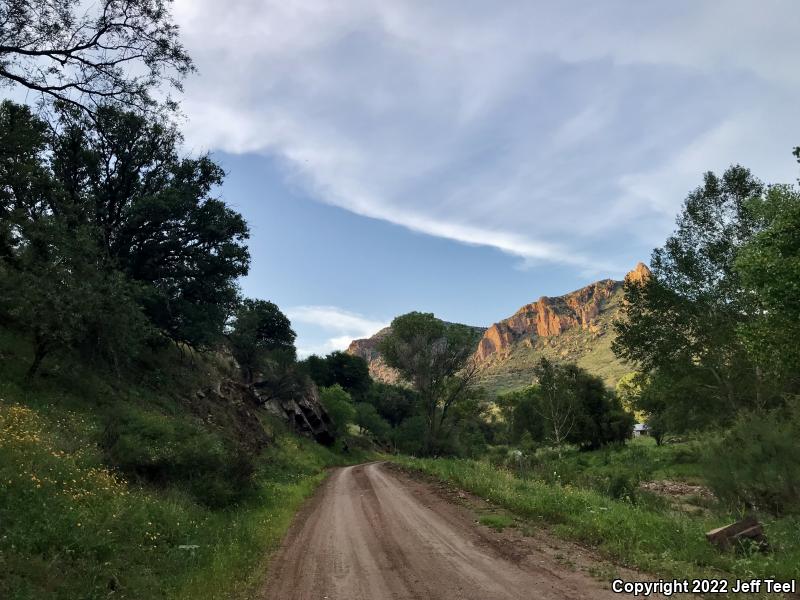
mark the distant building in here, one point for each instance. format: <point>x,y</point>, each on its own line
<point>641,429</point>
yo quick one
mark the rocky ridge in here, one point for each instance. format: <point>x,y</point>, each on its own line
<point>574,327</point>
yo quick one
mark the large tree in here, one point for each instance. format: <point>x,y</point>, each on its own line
<point>92,54</point>
<point>156,217</point>
<point>260,329</point>
<point>558,405</point>
<point>111,195</point>
<point>683,321</point>
<point>769,266</point>
<point>436,358</point>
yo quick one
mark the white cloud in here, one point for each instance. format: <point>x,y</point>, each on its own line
<point>339,326</point>
<point>551,132</point>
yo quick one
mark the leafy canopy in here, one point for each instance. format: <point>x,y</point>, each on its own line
<point>260,329</point>
<point>684,320</point>
<point>436,358</point>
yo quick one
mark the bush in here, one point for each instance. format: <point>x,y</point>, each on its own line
<point>339,406</point>
<point>409,434</point>
<point>161,450</point>
<point>368,419</point>
<point>756,464</point>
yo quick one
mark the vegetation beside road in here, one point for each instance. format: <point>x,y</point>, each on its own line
<point>577,498</point>
<point>74,525</point>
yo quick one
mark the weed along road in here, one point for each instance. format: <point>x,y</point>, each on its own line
<point>373,533</point>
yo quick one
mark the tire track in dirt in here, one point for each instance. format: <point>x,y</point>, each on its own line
<point>371,533</point>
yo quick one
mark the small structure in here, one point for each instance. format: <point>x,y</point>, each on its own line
<point>641,429</point>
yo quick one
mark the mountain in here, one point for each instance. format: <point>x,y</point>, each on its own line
<point>575,327</point>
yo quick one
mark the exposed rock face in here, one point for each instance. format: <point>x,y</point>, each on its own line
<point>302,410</point>
<point>639,274</point>
<point>368,350</point>
<point>548,317</point>
<point>234,403</point>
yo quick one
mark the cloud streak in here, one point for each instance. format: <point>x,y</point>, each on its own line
<point>565,133</point>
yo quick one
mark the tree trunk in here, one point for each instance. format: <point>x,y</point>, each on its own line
<point>759,394</point>
<point>38,356</point>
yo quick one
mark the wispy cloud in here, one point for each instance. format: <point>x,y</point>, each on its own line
<point>340,325</point>
<point>553,132</point>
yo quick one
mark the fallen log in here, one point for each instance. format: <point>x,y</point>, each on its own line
<point>731,535</point>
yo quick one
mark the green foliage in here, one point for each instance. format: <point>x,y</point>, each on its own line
<point>368,419</point>
<point>155,218</point>
<point>628,390</point>
<point>683,321</point>
<point>520,410</point>
<point>348,371</point>
<point>600,418</point>
<point>567,406</point>
<point>73,526</point>
<point>769,267</point>
<point>101,221</point>
<point>409,436</point>
<point>496,522</point>
<point>260,329</point>
<point>435,358</point>
<point>640,534</point>
<point>393,402</point>
<point>161,449</point>
<point>58,293</point>
<point>756,464</point>
<point>339,406</point>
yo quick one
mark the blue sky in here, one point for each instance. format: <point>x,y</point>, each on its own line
<point>467,157</point>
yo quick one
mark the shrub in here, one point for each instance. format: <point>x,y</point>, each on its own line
<point>162,449</point>
<point>756,464</point>
<point>368,419</point>
<point>339,406</point>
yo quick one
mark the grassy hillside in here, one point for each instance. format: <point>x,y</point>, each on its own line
<point>152,515</point>
<point>589,349</point>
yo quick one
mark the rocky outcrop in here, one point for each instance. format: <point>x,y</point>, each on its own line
<point>301,409</point>
<point>639,274</point>
<point>368,350</point>
<point>542,323</point>
<point>548,317</point>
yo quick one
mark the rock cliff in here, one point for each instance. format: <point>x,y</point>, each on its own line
<point>548,317</point>
<point>575,327</point>
<point>368,350</point>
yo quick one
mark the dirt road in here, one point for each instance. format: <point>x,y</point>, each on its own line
<point>372,533</point>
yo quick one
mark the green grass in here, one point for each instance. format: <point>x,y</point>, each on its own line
<point>496,522</point>
<point>646,535</point>
<point>72,526</point>
<point>639,460</point>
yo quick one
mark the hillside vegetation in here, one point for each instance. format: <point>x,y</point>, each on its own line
<point>159,513</point>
